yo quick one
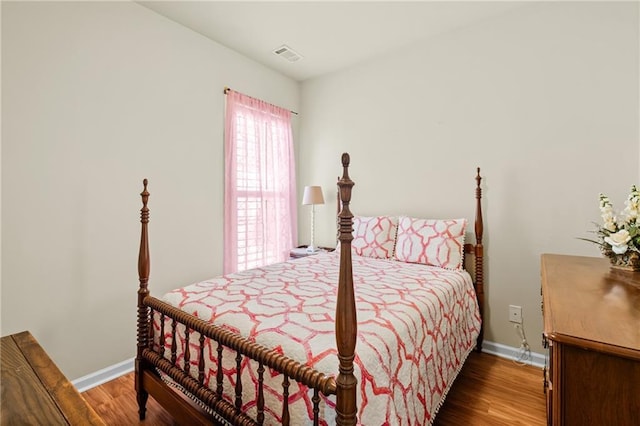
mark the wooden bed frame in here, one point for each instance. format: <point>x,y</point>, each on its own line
<point>343,386</point>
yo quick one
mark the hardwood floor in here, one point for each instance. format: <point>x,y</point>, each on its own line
<point>489,391</point>
<point>116,403</point>
<point>494,391</point>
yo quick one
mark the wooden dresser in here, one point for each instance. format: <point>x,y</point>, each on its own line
<point>34,390</point>
<point>592,331</point>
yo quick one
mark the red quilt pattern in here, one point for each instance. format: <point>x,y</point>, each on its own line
<point>434,242</point>
<point>374,236</point>
<point>416,326</point>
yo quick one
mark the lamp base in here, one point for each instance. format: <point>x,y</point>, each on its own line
<point>311,249</point>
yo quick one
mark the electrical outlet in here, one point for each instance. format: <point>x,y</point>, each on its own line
<point>515,314</point>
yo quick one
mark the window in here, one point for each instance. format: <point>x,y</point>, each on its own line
<point>260,192</point>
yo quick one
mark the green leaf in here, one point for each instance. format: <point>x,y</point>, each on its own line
<point>592,241</point>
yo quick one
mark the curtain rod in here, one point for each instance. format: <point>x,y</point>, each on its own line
<point>226,90</point>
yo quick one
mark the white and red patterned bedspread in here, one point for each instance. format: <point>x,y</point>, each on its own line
<point>416,326</point>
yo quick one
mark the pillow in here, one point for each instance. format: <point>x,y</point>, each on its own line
<point>374,236</point>
<point>431,242</point>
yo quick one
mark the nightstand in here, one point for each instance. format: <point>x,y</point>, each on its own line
<point>301,251</point>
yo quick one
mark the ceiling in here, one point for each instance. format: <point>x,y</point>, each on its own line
<point>330,35</point>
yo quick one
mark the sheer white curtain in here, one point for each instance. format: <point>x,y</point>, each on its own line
<point>260,188</point>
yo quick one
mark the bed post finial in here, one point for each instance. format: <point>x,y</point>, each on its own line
<point>346,321</point>
<point>346,159</point>
<point>143,292</point>
<point>143,255</point>
<point>479,255</point>
<point>479,225</point>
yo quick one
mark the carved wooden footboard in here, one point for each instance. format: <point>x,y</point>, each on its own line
<point>167,378</point>
<point>148,382</point>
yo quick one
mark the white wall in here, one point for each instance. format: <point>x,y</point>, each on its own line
<point>96,96</point>
<point>544,99</point>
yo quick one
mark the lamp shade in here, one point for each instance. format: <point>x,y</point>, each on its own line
<point>312,195</point>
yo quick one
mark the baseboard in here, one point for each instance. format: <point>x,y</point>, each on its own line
<point>102,376</point>
<point>113,372</point>
<point>509,352</point>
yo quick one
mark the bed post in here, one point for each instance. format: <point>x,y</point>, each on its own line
<point>346,321</point>
<point>338,203</point>
<point>338,209</point>
<point>143,310</point>
<point>479,253</point>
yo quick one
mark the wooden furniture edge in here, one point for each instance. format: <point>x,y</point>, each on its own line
<point>546,319</point>
<point>66,397</point>
<point>179,406</point>
<point>588,378</point>
<point>477,250</point>
<point>548,261</point>
<point>604,348</point>
<point>346,323</point>
<point>143,312</point>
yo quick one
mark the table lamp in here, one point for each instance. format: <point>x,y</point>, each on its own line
<point>312,196</point>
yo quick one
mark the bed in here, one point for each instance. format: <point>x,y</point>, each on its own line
<point>277,345</point>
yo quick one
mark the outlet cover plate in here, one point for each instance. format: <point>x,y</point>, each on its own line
<point>515,314</point>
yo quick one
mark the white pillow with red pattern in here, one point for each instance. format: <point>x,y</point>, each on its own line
<point>374,236</point>
<point>437,242</point>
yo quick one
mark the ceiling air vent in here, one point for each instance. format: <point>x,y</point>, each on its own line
<point>287,53</point>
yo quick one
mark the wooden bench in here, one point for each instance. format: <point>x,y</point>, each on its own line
<point>34,390</point>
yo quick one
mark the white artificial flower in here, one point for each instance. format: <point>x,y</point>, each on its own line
<point>606,209</point>
<point>631,205</point>
<point>608,217</point>
<point>610,225</point>
<point>618,241</point>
